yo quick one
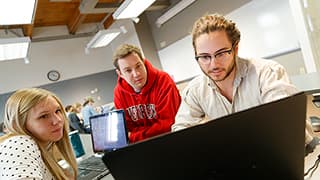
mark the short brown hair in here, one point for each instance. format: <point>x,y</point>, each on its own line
<point>123,51</point>
<point>215,22</point>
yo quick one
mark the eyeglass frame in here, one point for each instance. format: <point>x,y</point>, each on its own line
<point>214,55</point>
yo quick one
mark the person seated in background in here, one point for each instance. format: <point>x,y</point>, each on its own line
<point>74,120</point>
<point>37,124</point>
<point>87,111</point>
<point>149,96</point>
<point>3,129</point>
<point>68,109</point>
<point>228,83</point>
<point>78,107</point>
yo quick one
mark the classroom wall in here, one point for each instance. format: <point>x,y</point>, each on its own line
<point>180,25</point>
<point>75,90</point>
<point>146,41</point>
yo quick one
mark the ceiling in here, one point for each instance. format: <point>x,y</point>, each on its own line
<point>74,13</point>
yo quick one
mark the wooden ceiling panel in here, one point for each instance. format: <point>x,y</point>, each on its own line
<point>75,21</point>
<point>90,18</point>
<point>54,13</point>
<point>108,22</point>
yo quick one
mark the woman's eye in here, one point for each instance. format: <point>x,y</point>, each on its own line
<point>44,116</point>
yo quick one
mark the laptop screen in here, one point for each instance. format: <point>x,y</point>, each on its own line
<point>108,131</point>
<point>76,143</point>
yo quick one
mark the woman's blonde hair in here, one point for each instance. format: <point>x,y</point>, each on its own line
<point>16,113</point>
<point>215,22</point>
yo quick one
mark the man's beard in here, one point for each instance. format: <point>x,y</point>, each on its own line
<point>233,65</point>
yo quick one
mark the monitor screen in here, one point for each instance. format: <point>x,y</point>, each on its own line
<point>108,131</point>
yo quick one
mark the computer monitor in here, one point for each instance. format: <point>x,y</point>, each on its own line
<point>108,131</point>
<point>263,142</point>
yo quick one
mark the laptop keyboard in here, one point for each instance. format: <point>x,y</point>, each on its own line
<point>92,163</point>
<point>92,168</point>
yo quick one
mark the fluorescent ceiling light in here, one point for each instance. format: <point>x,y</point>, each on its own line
<point>16,11</point>
<point>103,38</point>
<point>173,11</point>
<point>14,48</point>
<point>131,8</point>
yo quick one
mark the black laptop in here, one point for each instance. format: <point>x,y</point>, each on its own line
<point>263,142</point>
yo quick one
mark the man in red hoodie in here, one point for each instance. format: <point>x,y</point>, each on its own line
<point>149,96</point>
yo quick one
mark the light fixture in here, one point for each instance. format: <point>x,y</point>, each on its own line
<point>135,20</point>
<point>173,11</point>
<point>102,38</point>
<point>14,48</point>
<point>17,11</point>
<point>131,8</point>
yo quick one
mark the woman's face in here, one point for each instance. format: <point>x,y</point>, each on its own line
<point>45,121</point>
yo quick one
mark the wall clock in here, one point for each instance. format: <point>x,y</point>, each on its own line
<point>53,75</point>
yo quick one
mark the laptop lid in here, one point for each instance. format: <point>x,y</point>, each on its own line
<point>263,142</point>
<point>76,143</point>
<point>88,167</point>
<point>108,131</point>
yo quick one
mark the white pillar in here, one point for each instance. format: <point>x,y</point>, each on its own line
<point>300,14</point>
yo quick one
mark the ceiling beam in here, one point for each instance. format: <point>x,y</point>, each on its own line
<point>27,30</point>
<point>89,7</point>
<point>108,22</point>
<point>76,21</point>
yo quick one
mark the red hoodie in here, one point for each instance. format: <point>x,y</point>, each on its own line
<point>152,111</point>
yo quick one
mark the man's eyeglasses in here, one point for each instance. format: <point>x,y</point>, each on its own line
<point>220,56</point>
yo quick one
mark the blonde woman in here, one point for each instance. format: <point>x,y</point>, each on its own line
<point>37,124</point>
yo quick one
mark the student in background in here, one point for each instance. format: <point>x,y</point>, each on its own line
<point>87,111</point>
<point>78,107</point>
<point>68,109</point>
<point>228,83</point>
<point>37,124</point>
<point>149,96</point>
<point>3,129</point>
<point>75,121</point>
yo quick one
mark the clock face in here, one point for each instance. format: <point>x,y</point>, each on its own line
<point>53,75</point>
